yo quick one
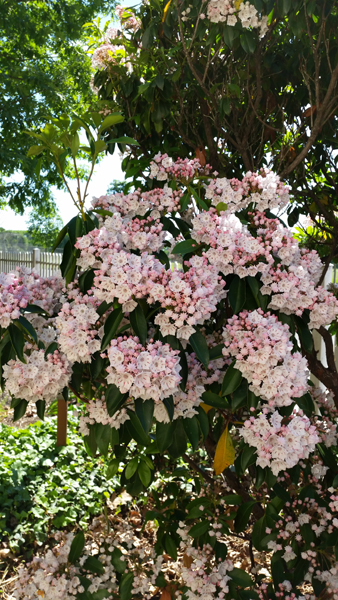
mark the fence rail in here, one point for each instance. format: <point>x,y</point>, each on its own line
<point>45,263</point>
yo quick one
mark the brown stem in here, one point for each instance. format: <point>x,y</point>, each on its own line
<point>198,469</point>
<point>61,436</point>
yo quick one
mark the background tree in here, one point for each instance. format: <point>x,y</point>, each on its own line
<point>44,68</point>
<point>44,226</point>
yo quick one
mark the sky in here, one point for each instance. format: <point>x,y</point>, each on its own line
<point>105,172</point>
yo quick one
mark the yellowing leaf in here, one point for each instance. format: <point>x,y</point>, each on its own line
<point>166,8</point>
<point>238,3</point>
<point>205,407</point>
<point>225,452</point>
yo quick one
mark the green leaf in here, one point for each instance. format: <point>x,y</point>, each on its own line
<point>35,150</point>
<point>241,578</point>
<point>199,529</point>
<point>18,341</point>
<point>243,515</point>
<point>144,473</point>
<point>112,468</point>
<point>185,247</point>
<point>216,352</point>
<point>111,326</point>
<point>139,324</point>
<point>76,547</point>
<point>51,349</point>
<point>145,410</point>
<point>102,437</point>
<point>304,333</point>
<point>148,37</point>
<point>75,143</point>
<point>200,347</point>
<point>20,410</point>
<point>40,408</point>
<point>286,6</point>
<point>237,294</point>
<point>28,327</point>
<point>198,200</point>
<point>136,430</point>
<point>100,146</point>
<point>247,457</point>
<point>111,120</point>
<point>119,563</point>
<point>126,586</point>
<point>93,565</point>
<point>131,468</point>
<point>184,370</point>
<point>178,445</point>
<point>231,380</point>
<point>164,435</point>
<point>203,421</point>
<point>114,399</point>
<point>248,42</point>
<point>192,429</point>
<point>214,400</point>
<point>258,533</point>
<point>60,237</point>
<point>170,546</point>
<point>125,140</point>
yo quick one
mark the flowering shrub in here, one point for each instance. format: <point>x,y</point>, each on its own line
<point>185,328</point>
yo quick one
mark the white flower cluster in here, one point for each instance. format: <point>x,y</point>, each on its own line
<point>263,352</point>
<point>39,378</point>
<point>76,323</point>
<point>280,446</point>
<point>232,11</point>
<point>263,189</point>
<point>144,372</point>
<point>158,201</point>
<point>331,580</point>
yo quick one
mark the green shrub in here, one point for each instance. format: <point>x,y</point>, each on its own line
<point>43,488</point>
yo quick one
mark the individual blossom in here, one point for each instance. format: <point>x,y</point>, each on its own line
<point>40,378</point>
<point>280,446</point>
<point>263,351</point>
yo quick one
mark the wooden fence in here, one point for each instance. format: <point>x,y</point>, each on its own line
<point>45,263</point>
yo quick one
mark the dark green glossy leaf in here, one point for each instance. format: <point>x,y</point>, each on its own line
<point>231,380</point>
<point>40,408</point>
<point>20,410</point>
<point>237,294</point>
<point>139,324</point>
<point>76,547</point>
<point>192,429</point>
<point>164,435</point>
<point>18,341</point>
<point>111,326</point>
<point>200,347</point>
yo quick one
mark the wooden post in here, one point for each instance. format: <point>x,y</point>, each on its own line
<point>61,437</point>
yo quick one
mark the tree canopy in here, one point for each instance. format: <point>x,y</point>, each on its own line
<point>240,98</point>
<point>43,69</point>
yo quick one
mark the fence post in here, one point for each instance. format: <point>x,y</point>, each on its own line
<point>36,259</point>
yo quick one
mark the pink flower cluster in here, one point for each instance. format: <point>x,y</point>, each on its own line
<point>232,248</point>
<point>188,298</point>
<point>263,189</point>
<point>13,296</point>
<point>263,352</point>
<point>280,446</point>
<point>163,167</point>
<point>25,286</point>
<point>104,56</point>
<point>126,276</point>
<point>39,378</point>
<point>78,336</point>
<point>144,372</point>
<point>158,201</point>
<point>145,235</point>
<point>127,18</point>
<point>221,11</point>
